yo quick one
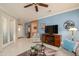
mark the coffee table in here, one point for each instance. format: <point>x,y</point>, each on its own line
<point>47,52</point>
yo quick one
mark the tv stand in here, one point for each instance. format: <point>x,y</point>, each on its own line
<point>52,39</point>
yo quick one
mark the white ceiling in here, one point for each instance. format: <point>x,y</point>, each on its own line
<point>29,14</point>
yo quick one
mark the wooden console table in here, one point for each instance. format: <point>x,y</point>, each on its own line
<point>52,39</point>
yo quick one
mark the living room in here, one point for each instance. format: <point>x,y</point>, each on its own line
<point>53,26</point>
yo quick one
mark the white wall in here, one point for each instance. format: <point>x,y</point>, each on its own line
<point>1,36</point>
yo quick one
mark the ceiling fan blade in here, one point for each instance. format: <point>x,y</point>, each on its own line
<point>28,5</point>
<point>36,8</point>
<point>42,4</point>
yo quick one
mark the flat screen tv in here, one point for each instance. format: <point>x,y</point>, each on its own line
<point>51,29</point>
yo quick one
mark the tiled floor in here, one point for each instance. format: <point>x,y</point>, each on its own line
<point>24,44</point>
<point>18,47</point>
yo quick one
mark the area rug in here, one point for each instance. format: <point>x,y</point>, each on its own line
<point>48,52</point>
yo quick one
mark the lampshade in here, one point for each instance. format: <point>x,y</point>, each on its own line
<point>19,27</point>
<point>73,29</point>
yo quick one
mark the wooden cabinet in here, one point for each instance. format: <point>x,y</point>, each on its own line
<point>57,40</point>
<point>53,39</point>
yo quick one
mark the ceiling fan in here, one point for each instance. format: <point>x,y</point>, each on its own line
<point>36,5</point>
